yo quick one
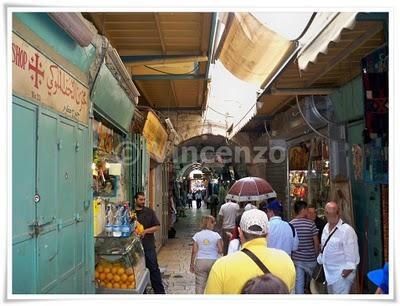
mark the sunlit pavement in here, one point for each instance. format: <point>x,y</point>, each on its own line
<point>174,257</point>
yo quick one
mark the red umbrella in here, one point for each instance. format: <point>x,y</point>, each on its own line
<point>250,189</point>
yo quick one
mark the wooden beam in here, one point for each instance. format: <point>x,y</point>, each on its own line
<point>346,52</point>
<point>164,49</point>
<point>147,77</point>
<point>280,106</point>
<point>204,32</point>
<point>302,91</point>
<point>200,93</point>
<point>143,92</point>
<point>180,109</point>
<point>171,60</point>
<point>158,26</point>
<point>171,82</point>
<point>98,20</point>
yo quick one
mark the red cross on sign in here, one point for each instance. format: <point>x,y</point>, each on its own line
<point>36,69</point>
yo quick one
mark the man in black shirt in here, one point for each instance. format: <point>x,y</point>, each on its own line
<point>147,217</point>
<point>319,223</point>
<point>213,200</point>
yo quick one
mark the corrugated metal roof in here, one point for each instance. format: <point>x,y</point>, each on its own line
<point>321,34</point>
<point>335,64</point>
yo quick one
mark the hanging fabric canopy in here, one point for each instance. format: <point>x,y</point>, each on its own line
<point>251,51</point>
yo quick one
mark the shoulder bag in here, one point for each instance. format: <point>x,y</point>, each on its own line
<point>318,273</point>
<point>256,260</point>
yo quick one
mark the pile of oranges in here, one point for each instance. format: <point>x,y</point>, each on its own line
<point>114,275</point>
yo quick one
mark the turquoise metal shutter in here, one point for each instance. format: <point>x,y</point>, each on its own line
<point>66,208</point>
<point>24,116</point>
<point>63,212</point>
<point>50,159</point>
<point>89,230</point>
<point>82,202</point>
<point>47,210</point>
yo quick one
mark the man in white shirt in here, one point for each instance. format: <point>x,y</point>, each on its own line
<point>340,256</point>
<point>227,215</point>
<point>282,235</point>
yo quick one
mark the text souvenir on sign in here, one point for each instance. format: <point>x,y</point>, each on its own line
<point>38,78</point>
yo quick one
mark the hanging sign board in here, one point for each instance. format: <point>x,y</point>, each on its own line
<point>156,137</point>
<point>38,78</point>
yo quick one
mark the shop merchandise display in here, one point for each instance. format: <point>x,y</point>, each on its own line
<point>120,265</point>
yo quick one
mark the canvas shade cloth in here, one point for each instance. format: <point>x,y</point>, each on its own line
<point>250,189</point>
<point>251,51</point>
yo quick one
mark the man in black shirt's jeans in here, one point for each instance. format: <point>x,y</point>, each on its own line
<point>148,219</point>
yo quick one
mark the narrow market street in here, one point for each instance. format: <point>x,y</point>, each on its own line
<point>174,257</point>
<point>122,119</point>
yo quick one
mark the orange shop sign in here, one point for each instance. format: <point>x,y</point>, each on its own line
<point>36,77</point>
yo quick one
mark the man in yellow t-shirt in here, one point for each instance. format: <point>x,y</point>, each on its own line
<point>229,273</point>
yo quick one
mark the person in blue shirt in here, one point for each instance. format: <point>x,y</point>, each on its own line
<point>282,235</point>
<point>380,278</point>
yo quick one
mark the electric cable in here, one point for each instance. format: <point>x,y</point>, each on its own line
<point>169,73</point>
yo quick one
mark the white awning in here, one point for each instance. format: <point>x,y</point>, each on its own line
<point>326,28</point>
<point>251,51</point>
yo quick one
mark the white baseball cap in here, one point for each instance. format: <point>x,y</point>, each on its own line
<point>254,217</point>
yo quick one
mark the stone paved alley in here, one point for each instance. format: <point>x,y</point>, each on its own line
<point>174,257</point>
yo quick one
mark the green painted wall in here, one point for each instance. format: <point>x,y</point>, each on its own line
<point>348,103</point>
<point>111,101</point>
<point>367,215</point>
<point>58,39</point>
<point>61,258</point>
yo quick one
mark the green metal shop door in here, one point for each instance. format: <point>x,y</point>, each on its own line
<point>56,261</point>
<point>24,116</point>
<point>47,239</point>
